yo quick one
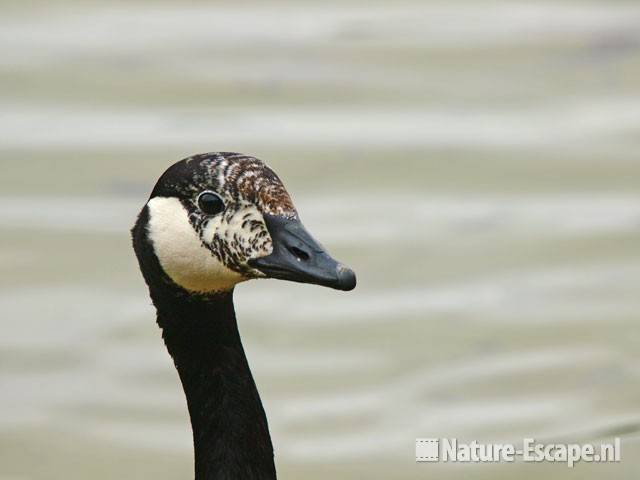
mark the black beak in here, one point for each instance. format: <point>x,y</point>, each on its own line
<point>298,257</point>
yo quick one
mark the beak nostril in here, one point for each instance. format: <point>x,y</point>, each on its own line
<point>301,255</point>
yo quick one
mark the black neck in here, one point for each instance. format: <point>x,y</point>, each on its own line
<point>230,432</point>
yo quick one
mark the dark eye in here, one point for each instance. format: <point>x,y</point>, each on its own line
<point>210,203</point>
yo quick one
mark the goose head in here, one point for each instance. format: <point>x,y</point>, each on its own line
<point>217,219</point>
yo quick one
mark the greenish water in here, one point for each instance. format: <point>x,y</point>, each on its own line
<point>475,163</point>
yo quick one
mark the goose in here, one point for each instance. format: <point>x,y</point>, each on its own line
<point>212,221</point>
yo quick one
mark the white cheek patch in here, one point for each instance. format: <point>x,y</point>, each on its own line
<point>180,251</point>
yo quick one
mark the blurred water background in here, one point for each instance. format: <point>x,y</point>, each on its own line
<point>476,163</point>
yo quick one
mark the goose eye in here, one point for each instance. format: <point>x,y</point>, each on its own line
<point>210,203</point>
